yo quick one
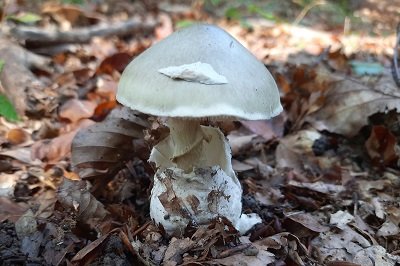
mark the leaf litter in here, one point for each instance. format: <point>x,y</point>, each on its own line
<point>75,180</point>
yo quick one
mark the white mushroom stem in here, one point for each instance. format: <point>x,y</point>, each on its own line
<point>185,134</point>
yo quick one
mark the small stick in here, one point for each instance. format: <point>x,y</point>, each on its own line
<point>80,35</point>
<point>395,65</point>
<point>231,251</point>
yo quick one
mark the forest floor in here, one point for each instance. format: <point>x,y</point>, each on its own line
<point>324,176</point>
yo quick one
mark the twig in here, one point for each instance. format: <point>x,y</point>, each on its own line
<point>230,252</point>
<point>395,65</point>
<point>80,35</point>
<point>305,10</point>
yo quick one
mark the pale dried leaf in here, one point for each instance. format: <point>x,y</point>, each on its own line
<point>379,209</point>
<point>388,228</point>
<point>319,186</point>
<point>7,184</point>
<point>341,218</point>
<point>259,256</point>
<point>75,110</point>
<point>239,143</point>
<point>375,255</point>
<point>348,104</point>
<point>22,155</point>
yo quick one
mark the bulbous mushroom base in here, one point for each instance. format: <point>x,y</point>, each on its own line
<point>178,198</point>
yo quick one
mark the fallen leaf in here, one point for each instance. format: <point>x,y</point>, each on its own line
<point>75,195</point>
<point>17,136</point>
<point>176,248</point>
<point>75,110</point>
<point>319,186</point>
<point>308,221</point>
<point>375,255</point>
<point>7,109</point>
<point>100,150</point>
<point>10,210</point>
<point>296,151</point>
<point>69,16</point>
<point>85,254</point>
<point>115,62</point>
<point>256,254</point>
<point>22,155</point>
<point>7,184</point>
<point>239,143</point>
<point>53,150</point>
<point>382,146</point>
<point>339,245</point>
<point>341,218</point>
<point>348,105</point>
<point>388,228</point>
<point>268,129</point>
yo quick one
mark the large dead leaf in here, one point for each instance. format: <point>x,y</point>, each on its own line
<point>348,104</point>
<point>101,149</point>
<point>349,245</point>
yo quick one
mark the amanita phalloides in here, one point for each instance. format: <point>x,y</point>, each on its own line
<point>198,73</point>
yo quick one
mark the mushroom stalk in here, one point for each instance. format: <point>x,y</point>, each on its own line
<point>185,134</point>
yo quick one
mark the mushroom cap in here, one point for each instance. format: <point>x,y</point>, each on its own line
<point>250,92</point>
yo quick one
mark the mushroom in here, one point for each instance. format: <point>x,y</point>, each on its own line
<point>198,73</point>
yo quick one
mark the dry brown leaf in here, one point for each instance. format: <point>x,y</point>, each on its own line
<point>17,136</point>
<point>10,210</point>
<point>75,110</point>
<point>69,15</point>
<point>295,151</point>
<point>85,254</point>
<point>348,104</point>
<point>256,255</point>
<point>75,195</point>
<point>268,129</point>
<point>53,150</point>
<point>100,150</point>
<point>23,155</point>
<point>308,221</point>
<point>106,87</point>
<point>115,62</point>
<point>177,247</point>
<point>381,146</point>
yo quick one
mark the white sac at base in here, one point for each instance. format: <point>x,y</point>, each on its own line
<point>198,197</point>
